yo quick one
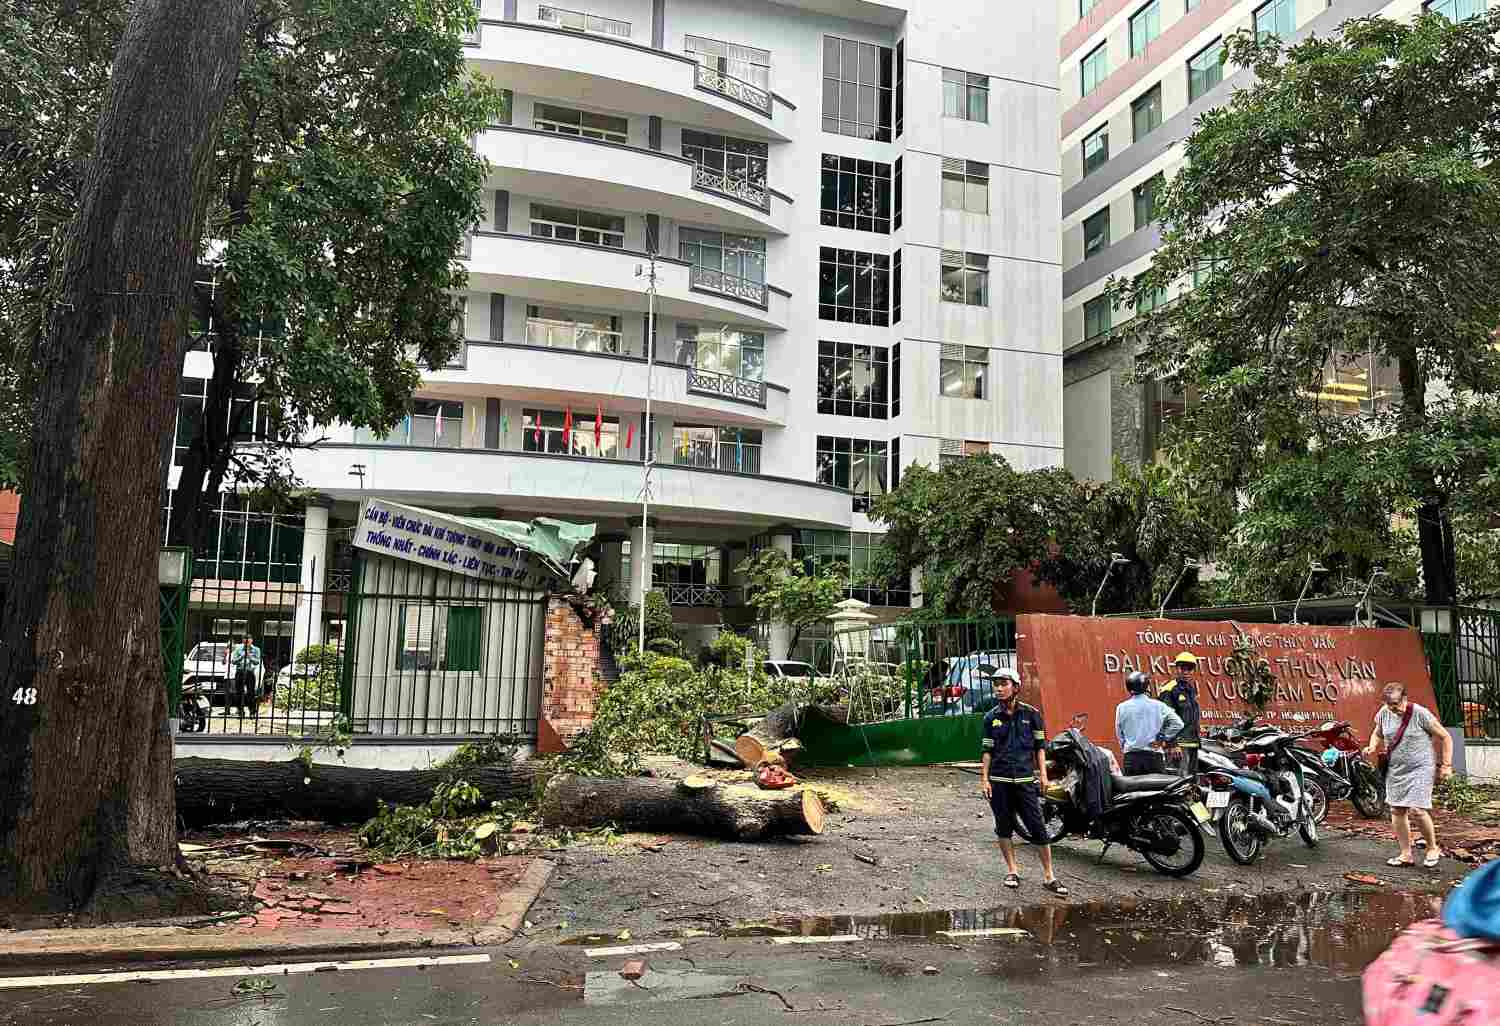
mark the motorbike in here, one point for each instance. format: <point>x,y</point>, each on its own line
<point>195,707</point>
<point>1158,816</point>
<point>1266,798</point>
<point>1320,783</point>
<point>1342,753</point>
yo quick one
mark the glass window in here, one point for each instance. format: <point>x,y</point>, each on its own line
<point>900,87</point>
<point>1145,25</point>
<point>1167,402</point>
<point>1205,69</point>
<point>1276,18</point>
<point>852,553</point>
<point>1095,149</point>
<point>1095,68</point>
<point>561,433</point>
<point>897,191</point>
<point>1146,196</point>
<point>966,185</point>
<point>856,194</point>
<point>966,95</point>
<point>433,636</point>
<point>717,448</point>
<point>1096,317</point>
<point>896,380</point>
<point>857,464</point>
<point>722,350</point>
<point>563,328</point>
<point>1151,300</point>
<point>1456,10</point>
<point>433,423</point>
<point>963,370</point>
<point>1145,113</point>
<point>1206,268</point>
<point>740,161</point>
<point>853,380</point>
<point>1096,232</point>
<point>896,288</point>
<point>586,226</point>
<point>966,278</point>
<point>857,89</point>
<point>586,123</point>
<point>745,63</point>
<point>854,286</point>
<point>739,256</point>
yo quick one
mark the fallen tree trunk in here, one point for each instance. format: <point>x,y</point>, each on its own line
<point>764,741</point>
<point>225,790</point>
<point>695,805</point>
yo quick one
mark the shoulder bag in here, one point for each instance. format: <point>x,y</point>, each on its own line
<point>1385,756</point>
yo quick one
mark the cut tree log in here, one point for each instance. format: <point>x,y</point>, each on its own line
<point>762,742</point>
<point>702,807</point>
<point>225,790</point>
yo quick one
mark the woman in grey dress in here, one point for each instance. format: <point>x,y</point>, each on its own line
<point>1408,783</point>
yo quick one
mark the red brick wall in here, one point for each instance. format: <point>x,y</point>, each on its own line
<point>570,676</point>
<point>10,509</point>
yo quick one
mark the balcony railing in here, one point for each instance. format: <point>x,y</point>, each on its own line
<point>709,180</point>
<point>694,595</point>
<point>726,386</point>
<point>709,280</point>
<point>741,459</point>
<point>582,21</point>
<point>585,338</point>
<point>735,89</point>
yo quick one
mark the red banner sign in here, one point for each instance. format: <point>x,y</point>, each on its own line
<point>1075,664</point>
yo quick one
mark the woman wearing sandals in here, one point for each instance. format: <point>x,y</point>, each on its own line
<point>1408,732</point>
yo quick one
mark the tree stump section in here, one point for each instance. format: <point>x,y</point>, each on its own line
<point>764,741</point>
<point>696,805</point>
<point>225,790</point>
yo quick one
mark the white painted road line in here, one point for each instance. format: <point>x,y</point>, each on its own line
<point>838,938</point>
<point>1001,931</point>
<point>280,969</point>
<point>632,949</point>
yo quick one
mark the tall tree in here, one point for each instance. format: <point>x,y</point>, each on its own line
<point>84,748</point>
<point>782,591</point>
<point>1340,214</point>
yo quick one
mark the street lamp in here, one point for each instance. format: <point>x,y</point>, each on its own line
<point>1364,600</point>
<point>1115,559</point>
<point>649,273</point>
<point>1187,564</point>
<point>1313,568</point>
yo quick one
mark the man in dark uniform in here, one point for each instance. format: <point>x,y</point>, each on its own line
<point>1013,771</point>
<point>1182,695</point>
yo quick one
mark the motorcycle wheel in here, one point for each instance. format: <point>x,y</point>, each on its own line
<point>1173,821</point>
<point>1308,828</point>
<point>1052,823</point>
<point>1317,799</point>
<point>1369,792</point>
<point>1236,834</point>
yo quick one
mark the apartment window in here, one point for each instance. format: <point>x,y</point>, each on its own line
<point>561,328</point>
<point>582,21</point>
<point>507,107</point>
<point>966,278</point>
<point>896,288</point>
<point>434,423</point>
<point>857,464</point>
<point>716,448</point>
<point>722,350</point>
<point>966,95</point>
<point>1095,149</point>
<point>898,190</point>
<point>853,380</point>
<point>1096,317</point>
<point>962,372</point>
<point>900,87</point>
<point>1146,196</point>
<point>1205,69</point>
<point>854,286</point>
<point>584,226</point>
<point>852,553</point>
<point>1145,25</point>
<point>1456,10</point>
<point>1148,301</point>
<point>856,194</point>
<point>745,63</point>
<point>966,185</point>
<point>742,257</point>
<point>1095,68</point>
<point>586,123</point>
<point>433,636</point>
<point>1276,18</point>
<point>1206,268</point>
<point>561,433</point>
<point>1145,113</point>
<point>1096,232</point>
<point>738,161</point>
<point>857,89</point>
<point>896,380</point>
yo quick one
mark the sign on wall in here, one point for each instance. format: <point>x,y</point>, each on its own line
<point>1074,664</point>
<point>446,543</point>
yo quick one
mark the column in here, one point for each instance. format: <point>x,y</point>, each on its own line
<point>779,635</point>
<point>642,542</point>
<point>307,622</point>
<point>614,578</point>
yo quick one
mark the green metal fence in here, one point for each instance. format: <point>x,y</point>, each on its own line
<point>174,611</point>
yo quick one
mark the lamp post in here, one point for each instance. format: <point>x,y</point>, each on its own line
<point>1115,559</point>
<point>1187,564</point>
<point>1313,567</point>
<point>649,273</point>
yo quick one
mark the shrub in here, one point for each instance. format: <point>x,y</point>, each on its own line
<point>661,633</point>
<point>318,692</point>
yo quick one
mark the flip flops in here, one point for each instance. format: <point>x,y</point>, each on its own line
<point>1432,859</point>
<point>1056,887</point>
<point>1012,880</point>
<point>1399,861</point>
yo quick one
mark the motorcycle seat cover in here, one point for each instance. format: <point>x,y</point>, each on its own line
<point>1144,782</point>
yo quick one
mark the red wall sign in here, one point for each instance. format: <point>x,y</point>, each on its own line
<point>1076,664</point>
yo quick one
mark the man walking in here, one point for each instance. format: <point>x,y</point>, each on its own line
<point>244,660</point>
<point>1182,695</point>
<point>1013,772</point>
<point>1141,722</point>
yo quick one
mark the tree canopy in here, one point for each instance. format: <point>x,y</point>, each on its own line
<point>1341,220</point>
<point>783,592</point>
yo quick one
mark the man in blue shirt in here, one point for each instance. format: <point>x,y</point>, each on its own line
<point>1140,722</point>
<point>1013,758</point>
<point>244,661</point>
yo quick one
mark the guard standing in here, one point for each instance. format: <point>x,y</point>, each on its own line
<point>1013,758</point>
<point>1182,695</point>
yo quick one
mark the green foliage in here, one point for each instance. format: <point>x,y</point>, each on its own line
<point>489,752</point>
<point>661,633</point>
<point>1341,209</point>
<point>1251,673</point>
<point>319,691</point>
<point>784,592</point>
<point>442,828</point>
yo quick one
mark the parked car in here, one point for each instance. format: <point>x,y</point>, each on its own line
<point>205,671</point>
<point>788,668</point>
<point>964,689</point>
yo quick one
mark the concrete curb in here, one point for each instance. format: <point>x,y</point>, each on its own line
<point>34,948</point>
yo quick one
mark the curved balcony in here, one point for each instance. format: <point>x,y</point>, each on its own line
<point>577,274</point>
<point>567,377</point>
<point>571,486</point>
<point>571,169</point>
<point>545,61</point>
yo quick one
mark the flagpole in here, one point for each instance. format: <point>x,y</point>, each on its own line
<point>650,450</point>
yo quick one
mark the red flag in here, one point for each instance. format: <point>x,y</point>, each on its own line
<point>568,428</point>
<point>630,436</point>
<point>598,426</point>
<point>536,434</point>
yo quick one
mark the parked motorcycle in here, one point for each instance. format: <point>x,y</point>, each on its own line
<point>1266,798</point>
<point>1156,815</point>
<point>193,712</point>
<point>1320,783</point>
<point>1342,752</point>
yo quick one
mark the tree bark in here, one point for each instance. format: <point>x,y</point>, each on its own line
<point>1434,528</point>
<point>226,790</point>
<point>84,749</point>
<point>693,806</point>
<point>766,737</point>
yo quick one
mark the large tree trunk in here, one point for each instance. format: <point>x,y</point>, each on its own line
<point>691,806</point>
<point>84,749</point>
<point>1434,526</point>
<point>226,790</point>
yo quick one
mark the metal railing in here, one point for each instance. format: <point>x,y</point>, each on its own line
<point>710,280</point>
<point>563,128</point>
<point>709,179</point>
<point>734,88</point>
<point>700,596</point>
<point>741,459</point>
<point>541,331</point>
<point>582,21</point>
<point>578,233</point>
<point>717,383</point>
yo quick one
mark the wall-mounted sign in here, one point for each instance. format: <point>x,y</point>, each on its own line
<point>454,544</point>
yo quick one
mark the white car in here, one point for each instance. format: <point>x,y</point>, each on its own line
<point>205,671</point>
<point>788,668</point>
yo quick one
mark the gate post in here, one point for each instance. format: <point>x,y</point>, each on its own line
<point>174,578</point>
<point>351,644</point>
